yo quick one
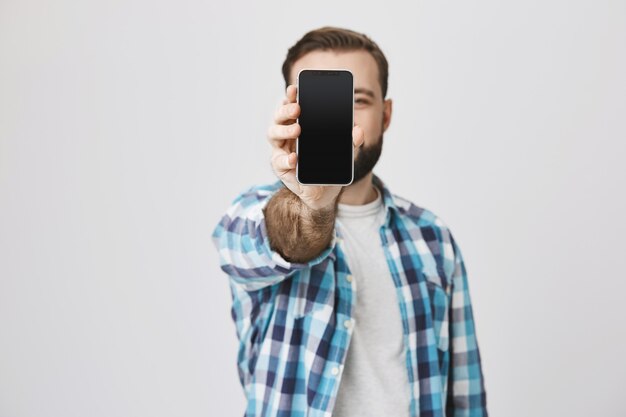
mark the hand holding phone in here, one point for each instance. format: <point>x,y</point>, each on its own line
<point>282,136</point>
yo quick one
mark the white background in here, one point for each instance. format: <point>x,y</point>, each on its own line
<point>127,127</point>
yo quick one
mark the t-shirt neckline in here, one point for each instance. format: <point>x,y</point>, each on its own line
<point>360,210</point>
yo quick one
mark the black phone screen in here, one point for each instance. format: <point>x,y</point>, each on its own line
<point>324,147</point>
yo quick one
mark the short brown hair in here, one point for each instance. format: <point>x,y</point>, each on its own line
<point>329,37</point>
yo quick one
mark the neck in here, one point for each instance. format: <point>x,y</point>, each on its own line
<point>359,193</point>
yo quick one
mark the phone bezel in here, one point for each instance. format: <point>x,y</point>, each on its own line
<point>298,121</point>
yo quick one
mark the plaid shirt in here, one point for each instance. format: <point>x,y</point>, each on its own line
<point>294,320</point>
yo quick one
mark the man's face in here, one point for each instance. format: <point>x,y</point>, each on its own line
<point>371,112</point>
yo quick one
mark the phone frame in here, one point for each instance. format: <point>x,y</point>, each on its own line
<point>298,121</point>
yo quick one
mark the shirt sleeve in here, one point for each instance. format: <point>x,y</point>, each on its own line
<point>466,388</point>
<point>245,254</point>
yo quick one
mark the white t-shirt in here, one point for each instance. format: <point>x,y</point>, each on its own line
<point>375,379</point>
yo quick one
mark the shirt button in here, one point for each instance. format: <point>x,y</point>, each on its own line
<point>349,278</point>
<point>335,371</point>
<point>347,323</point>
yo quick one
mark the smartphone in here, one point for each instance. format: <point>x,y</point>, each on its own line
<point>324,148</point>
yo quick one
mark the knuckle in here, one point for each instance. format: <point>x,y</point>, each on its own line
<point>274,161</point>
<point>287,110</point>
<point>295,129</point>
<point>285,131</point>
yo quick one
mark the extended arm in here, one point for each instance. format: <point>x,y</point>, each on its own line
<point>243,239</point>
<point>295,230</point>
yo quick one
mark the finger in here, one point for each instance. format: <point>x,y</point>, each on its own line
<point>283,132</point>
<point>358,136</point>
<point>287,113</point>
<point>291,93</point>
<point>283,161</point>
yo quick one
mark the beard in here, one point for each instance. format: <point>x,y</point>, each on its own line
<point>367,158</point>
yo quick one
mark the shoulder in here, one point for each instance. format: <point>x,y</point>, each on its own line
<point>428,227</point>
<point>418,215</point>
<point>246,208</point>
<point>256,194</point>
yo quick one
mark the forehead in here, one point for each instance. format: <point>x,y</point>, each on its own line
<point>361,63</point>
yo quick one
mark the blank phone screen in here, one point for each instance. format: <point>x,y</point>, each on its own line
<point>325,150</point>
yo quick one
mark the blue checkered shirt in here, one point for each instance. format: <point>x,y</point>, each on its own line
<point>294,320</point>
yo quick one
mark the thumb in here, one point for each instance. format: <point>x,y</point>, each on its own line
<point>358,136</point>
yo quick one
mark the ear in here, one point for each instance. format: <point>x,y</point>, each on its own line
<point>387,107</point>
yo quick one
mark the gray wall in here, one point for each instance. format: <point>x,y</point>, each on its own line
<point>127,127</point>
